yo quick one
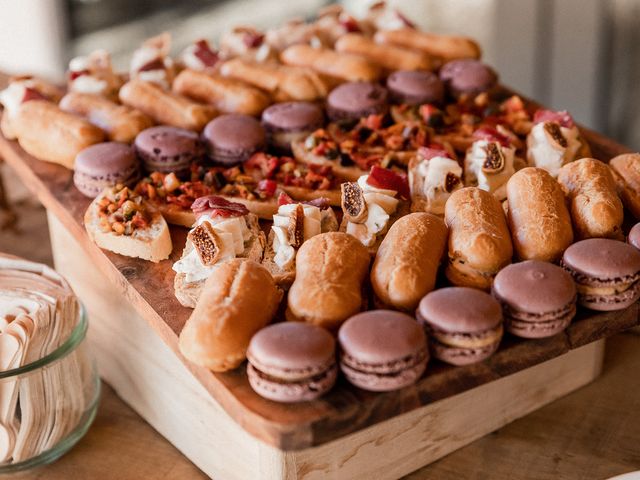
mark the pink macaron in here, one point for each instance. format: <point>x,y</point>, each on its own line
<point>382,350</point>
<point>292,362</point>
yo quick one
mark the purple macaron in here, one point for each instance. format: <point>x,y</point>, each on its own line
<point>292,362</point>
<point>538,298</point>
<point>105,165</point>
<point>353,100</point>
<point>467,76</point>
<point>233,138</point>
<point>382,350</point>
<point>288,122</point>
<point>606,273</point>
<point>464,325</point>
<point>634,236</point>
<point>168,149</point>
<point>415,87</point>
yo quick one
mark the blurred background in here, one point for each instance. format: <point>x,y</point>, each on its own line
<point>580,55</point>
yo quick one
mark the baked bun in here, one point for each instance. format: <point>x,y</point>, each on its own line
<point>479,240</point>
<point>596,210</point>
<point>228,314</point>
<point>538,217</point>
<point>445,47</point>
<point>406,265</point>
<point>330,272</point>
<point>626,172</point>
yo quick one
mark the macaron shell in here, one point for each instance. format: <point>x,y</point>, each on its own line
<point>91,186</point>
<point>634,236</point>
<point>542,329</point>
<point>415,87</point>
<point>468,76</point>
<point>233,138</point>
<point>601,260</point>
<point>292,117</point>
<point>168,149</point>
<point>285,392</point>
<point>461,356</point>
<point>105,165</point>
<point>608,303</point>
<point>354,100</point>
<point>384,383</point>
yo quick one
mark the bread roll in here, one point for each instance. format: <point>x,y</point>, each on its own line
<point>344,66</point>
<point>228,314</point>
<point>596,210</point>
<point>121,123</point>
<point>330,271</point>
<point>479,240</point>
<point>406,265</point>
<point>389,57</point>
<point>225,94</point>
<point>446,47</point>
<point>626,171</point>
<point>538,217</point>
<point>166,107</point>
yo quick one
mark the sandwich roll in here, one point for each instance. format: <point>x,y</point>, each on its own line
<point>217,334</point>
<point>389,57</point>
<point>330,272</point>
<point>446,47</point>
<point>283,82</point>
<point>596,210</point>
<point>340,65</point>
<point>538,217</point>
<point>121,123</point>
<point>226,95</point>
<point>626,172</point>
<point>479,239</point>
<point>51,134</point>
<point>166,107</point>
<point>406,265</point>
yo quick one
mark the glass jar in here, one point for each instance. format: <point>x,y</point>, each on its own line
<point>46,406</point>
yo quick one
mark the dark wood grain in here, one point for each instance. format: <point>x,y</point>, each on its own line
<point>149,288</point>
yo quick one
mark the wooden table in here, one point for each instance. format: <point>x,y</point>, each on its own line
<point>592,433</point>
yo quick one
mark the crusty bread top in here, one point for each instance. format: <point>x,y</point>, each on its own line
<point>596,210</point>
<point>627,166</point>
<point>538,217</point>
<point>406,265</point>
<point>228,314</point>
<point>478,232</point>
<point>330,270</point>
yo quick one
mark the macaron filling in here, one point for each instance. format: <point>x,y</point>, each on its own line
<point>607,291</point>
<point>390,369</point>
<point>303,389</point>
<point>473,340</point>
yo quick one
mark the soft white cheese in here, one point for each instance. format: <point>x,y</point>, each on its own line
<point>233,234</point>
<point>543,153</point>
<point>362,182</point>
<point>78,64</point>
<point>191,60</point>
<point>491,182</point>
<point>284,252</point>
<point>142,57</point>
<point>88,84</point>
<point>434,173</point>
<point>381,204</point>
<point>11,97</point>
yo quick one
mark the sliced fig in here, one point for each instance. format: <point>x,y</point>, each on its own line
<point>295,230</point>
<point>206,242</point>
<point>494,163</point>
<point>354,205</point>
<point>450,182</point>
<point>555,135</point>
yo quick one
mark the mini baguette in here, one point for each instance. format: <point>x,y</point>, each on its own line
<point>479,239</point>
<point>341,65</point>
<point>121,123</point>
<point>538,217</point>
<point>228,314</point>
<point>626,172</point>
<point>225,94</point>
<point>389,57</point>
<point>166,107</point>
<point>283,82</point>
<point>446,47</point>
<point>406,265</point>
<point>596,210</point>
<point>330,271</point>
<point>48,133</point>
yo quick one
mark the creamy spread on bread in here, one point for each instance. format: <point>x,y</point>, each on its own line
<point>550,146</point>
<point>285,243</point>
<point>232,233</point>
<point>151,65</point>
<point>82,80</point>
<point>440,177</point>
<point>489,165</point>
<point>11,97</point>
<point>381,204</point>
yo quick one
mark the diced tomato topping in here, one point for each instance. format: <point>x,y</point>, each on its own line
<point>73,75</point>
<point>32,94</point>
<point>431,152</point>
<point>492,135</point>
<point>204,53</point>
<point>389,180</point>
<point>324,170</point>
<point>156,64</point>
<point>284,199</point>
<point>563,118</point>
<point>253,39</point>
<point>268,164</point>
<point>268,187</point>
<point>349,23</point>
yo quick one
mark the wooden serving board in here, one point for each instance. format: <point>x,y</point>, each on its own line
<point>136,320</point>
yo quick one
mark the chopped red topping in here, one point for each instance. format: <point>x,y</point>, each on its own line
<point>269,187</point>
<point>73,75</point>
<point>218,206</point>
<point>32,94</point>
<point>320,202</point>
<point>563,118</point>
<point>432,151</point>
<point>407,23</point>
<point>268,164</point>
<point>284,199</point>
<point>253,39</point>
<point>205,54</point>
<point>156,64</point>
<point>389,180</point>
<point>349,23</point>
<point>492,135</point>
